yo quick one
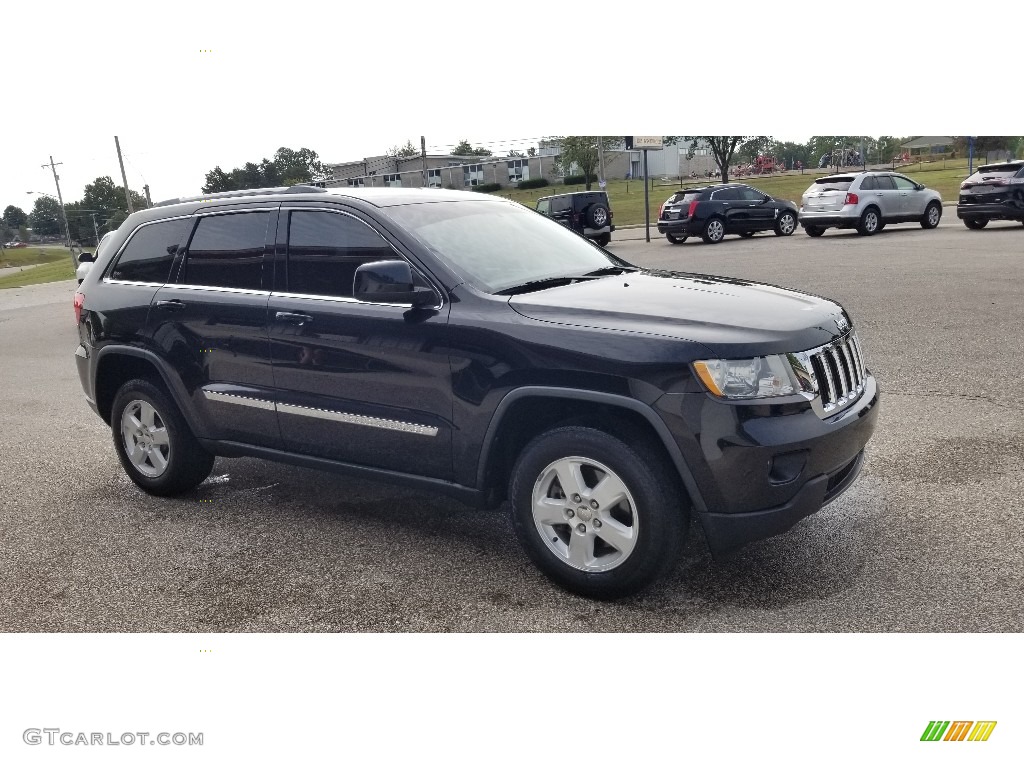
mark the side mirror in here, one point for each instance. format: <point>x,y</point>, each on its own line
<point>85,256</point>
<point>919,187</point>
<point>389,282</point>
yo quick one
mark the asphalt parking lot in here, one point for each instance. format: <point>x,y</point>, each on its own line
<point>929,538</point>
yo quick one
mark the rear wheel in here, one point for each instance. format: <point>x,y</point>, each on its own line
<point>975,223</point>
<point>714,230</point>
<point>932,215</point>
<point>785,225</point>
<point>603,240</point>
<point>158,451</point>
<point>746,234</point>
<point>675,239</point>
<point>869,221</point>
<point>597,516</point>
<point>814,231</point>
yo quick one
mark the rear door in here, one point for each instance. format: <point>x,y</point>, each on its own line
<point>211,324</point>
<point>730,205</point>
<point>887,197</point>
<point>359,382</point>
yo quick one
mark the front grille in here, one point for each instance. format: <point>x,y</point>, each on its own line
<point>839,373</point>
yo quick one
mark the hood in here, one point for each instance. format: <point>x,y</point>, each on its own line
<point>732,317</point>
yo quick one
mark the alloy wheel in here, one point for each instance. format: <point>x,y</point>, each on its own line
<point>145,438</point>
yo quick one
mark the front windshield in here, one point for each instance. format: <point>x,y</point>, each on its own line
<point>495,244</point>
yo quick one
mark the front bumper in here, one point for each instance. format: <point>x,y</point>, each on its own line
<point>760,468</point>
<point>990,211</point>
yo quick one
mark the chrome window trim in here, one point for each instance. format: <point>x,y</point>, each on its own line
<point>252,402</point>
<point>341,299</point>
<point>288,208</point>
<point>141,283</point>
<point>219,289</point>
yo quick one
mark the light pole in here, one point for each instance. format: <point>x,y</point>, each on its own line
<point>64,220</point>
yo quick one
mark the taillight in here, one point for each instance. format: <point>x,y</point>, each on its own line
<point>851,199</point>
<point>79,301</point>
<point>692,209</point>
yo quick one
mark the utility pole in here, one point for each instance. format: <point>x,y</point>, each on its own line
<point>423,154</point>
<point>600,161</point>
<point>95,229</point>
<point>149,200</point>
<point>63,214</point>
<point>124,178</point>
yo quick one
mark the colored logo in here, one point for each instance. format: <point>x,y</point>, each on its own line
<point>958,730</point>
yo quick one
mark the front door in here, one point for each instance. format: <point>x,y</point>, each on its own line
<point>357,382</point>
<point>912,202</point>
<point>211,324</point>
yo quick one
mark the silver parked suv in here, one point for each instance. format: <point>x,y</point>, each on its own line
<point>867,201</point>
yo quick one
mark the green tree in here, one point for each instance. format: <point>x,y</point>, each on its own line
<point>288,167</point>
<point>44,218</point>
<point>465,148</point>
<point>723,148</point>
<point>584,151</point>
<point>403,152</point>
<point>14,217</point>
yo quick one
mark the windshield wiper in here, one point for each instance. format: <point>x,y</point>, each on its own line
<point>536,285</point>
<point>610,271</point>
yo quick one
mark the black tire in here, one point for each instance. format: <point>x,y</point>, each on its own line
<point>815,231</point>
<point>881,226</point>
<point>975,223</point>
<point>597,216</point>
<point>747,234</point>
<point>932,216</point>
<point>187,463</point>
<point>714,230</point>
<point>676,239</point>
<point>785,225</point>
<point>656,519</point>
<point>869,221</point>
<point>603,240</point>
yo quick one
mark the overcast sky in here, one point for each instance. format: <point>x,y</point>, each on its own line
<point>206,84</point>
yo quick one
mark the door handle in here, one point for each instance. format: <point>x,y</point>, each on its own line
<point>171,304</point>
<point>294,318</point>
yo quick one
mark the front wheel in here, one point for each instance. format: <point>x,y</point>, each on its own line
<point>675,239</point>
<point>599,517</point>
<point>785,225</point>
<point>975,223</point>
<point>931,217</point>
<point>746,234</point>
<point>869,221</point>
<point>158,451</point>
<point>714,230</point>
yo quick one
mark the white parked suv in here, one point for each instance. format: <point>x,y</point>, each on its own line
<point>86,260</point>
<point>867,201</point>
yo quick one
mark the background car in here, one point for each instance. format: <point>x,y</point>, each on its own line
<point>995,192</point>
<point>867,201</point>
<point>724,209</point>
<point>588,213</point>
<point>86,259</point>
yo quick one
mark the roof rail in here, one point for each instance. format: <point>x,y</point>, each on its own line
<point>294,189</point>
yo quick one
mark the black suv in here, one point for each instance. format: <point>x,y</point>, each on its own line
<point>995,191</point>
<point>587,213</point>
<point>724,209</point>
<point>465,344</point>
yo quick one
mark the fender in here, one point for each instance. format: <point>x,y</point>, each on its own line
<point>604,398</point>
<point>171,382</point>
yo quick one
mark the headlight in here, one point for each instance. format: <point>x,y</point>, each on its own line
<point>768,376</point>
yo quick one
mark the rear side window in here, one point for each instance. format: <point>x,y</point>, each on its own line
<point>727,194</point>
<point>867,184</point>
<point>324,250</point>
<point>227,251</point>
<point>884,182</point>
<point>150,253</point>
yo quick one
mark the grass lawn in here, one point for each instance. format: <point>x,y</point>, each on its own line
<point>47,273</point>
<point>36,254</point>
<point>627,197</point>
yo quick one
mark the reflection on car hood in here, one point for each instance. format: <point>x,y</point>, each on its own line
<point>730,316</point>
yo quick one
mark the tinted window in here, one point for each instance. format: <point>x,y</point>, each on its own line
<point>902,183</point>
<point>150,253</point>
<point>884,182</point>
<point>324,250</point>
<point>752,195</point>
<point>831,184</point>
<point>227,251</point>
<point>544,206</point>
<point>867,184</point>
<point>683,197</point>
<point>560,204</point>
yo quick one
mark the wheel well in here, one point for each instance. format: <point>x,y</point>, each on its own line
<point>113,371</point>
<point>528,417</point>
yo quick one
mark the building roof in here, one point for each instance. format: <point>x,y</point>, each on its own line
<point>926,142</point>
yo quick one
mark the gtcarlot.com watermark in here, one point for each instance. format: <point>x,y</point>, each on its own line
<point>55,736</point>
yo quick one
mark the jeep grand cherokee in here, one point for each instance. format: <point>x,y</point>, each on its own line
<point>468,345</point>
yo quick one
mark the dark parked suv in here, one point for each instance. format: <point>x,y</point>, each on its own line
<point>724,209</point>
<point>588,213</point>
<point>464,344</point>
<point>996,191</point>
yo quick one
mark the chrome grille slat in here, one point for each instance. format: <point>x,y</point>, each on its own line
<point>839,373</point>
<point>855,346</point>
<point>843,383</point>
<point>854,373</point>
